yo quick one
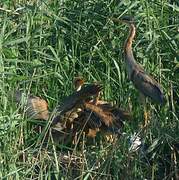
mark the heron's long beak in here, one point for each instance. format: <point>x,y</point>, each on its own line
<point>122,20</point>
<point>115,20</point>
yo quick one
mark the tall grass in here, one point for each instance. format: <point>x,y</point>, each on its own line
<point>44,44</point>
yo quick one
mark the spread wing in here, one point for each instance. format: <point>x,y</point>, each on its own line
<point>75,100</point>
<point>34,106</point>
<point>105,116</point>
<point>111,117</point>
<point>93,121</point>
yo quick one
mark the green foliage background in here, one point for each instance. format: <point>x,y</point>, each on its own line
<point>44,44</point>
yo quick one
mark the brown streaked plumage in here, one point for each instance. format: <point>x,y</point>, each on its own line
<point>106,116</point>
<point>95,115</point>
<point>76,100</point>
<point>140,78</point>
<point>111,118</point>
<point>79,113</point>
<point>118,112</point>
<point>34,106</point>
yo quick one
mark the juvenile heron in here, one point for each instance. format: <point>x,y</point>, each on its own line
<point>99,115</point>
<point>141,80</point>
<point>75,100</point>
<point>80,112</point>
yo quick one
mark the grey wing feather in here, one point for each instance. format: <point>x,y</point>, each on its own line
<point>147,85</point>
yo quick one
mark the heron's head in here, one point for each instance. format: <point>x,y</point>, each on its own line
<point>124,19</point>
<point>127,19</point>
<point>78,82</point>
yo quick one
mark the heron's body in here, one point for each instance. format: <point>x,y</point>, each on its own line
<point>94,115</point>
<point>75,101</point>
<point>140,78</point>
<point>101,116</point>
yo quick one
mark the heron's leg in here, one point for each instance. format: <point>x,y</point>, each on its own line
<point>146,116</point>
<point>146,113</point>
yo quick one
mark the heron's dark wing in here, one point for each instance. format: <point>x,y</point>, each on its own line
<point>75,100</point>
<point>105,116</point>
<point>121,114</point>
<point>147,85</point>
<point>111,117</point>
<point>77,97</point>
<point>93,121</point>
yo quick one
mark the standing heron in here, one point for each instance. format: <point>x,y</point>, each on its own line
<point>142,81</point>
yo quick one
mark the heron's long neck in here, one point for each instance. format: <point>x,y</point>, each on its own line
<point>128,45</point>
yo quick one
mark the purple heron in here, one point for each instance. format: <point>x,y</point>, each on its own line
<point>142,81</point>
<point>99,115</point>
<point>76,100</point>
<point>78,112</point>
